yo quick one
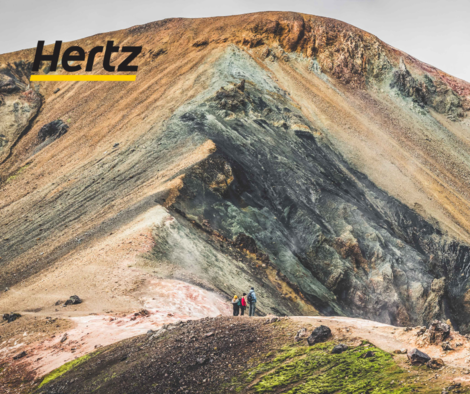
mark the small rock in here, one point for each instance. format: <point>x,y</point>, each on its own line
<point>64,338</point>
<point>447,346</point>
<point>270,320</point>
<point>407,329</point>
<point>58,303</point>
<point>435,363</point>
<point>302,333</point>
<point>417,357</point>
<point>158,333</point>
<point>73,300</point>
<point>201,360</point>
<point>56,90</point>
<point>368,354</point>
<point>339,348</point>
<point>116,145</point>
<point>320,334</point>
<point>451,388</point>
<point>11,317</point>
<point>421,331</point>
<point>20,355</point>
<point>400,351</point>
<point>209,334</point>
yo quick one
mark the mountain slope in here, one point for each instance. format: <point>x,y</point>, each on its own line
<point>290,152</point>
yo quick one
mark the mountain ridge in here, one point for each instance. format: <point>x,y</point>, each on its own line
<point>293,153</point>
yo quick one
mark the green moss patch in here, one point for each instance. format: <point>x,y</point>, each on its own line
<point>305,369</point>
<point>65,368</point>
<point>17,173</point>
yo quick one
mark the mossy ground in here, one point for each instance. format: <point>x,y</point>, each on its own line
<point>64,368</point>
<point>17,173</point>
<point>298,369</point>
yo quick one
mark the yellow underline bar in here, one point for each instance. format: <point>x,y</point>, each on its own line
<point>79,78</point>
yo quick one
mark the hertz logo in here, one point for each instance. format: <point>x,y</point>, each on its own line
<point>76,55</point>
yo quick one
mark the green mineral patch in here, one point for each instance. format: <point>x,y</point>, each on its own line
<point>297,369</point>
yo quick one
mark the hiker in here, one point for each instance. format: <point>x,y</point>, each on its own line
<point>243,304</point>
<point>252,301</point>
<point>236,305</point>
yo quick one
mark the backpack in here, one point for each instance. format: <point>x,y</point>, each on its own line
<point>250,297</point>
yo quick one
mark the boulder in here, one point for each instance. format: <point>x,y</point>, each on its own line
<point>320,334</point>
<point>54,130</point>
<point>73,300</point>
<point>417,357</point>
<point>10,317</point>
<point>438,331</point>
<point>339,348</point>
<point>435,363</point>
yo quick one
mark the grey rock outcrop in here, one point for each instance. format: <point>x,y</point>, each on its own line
<point>320,334</point>
<point>417,357</point>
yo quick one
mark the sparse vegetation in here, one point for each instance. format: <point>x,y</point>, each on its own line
<point>65,368</point>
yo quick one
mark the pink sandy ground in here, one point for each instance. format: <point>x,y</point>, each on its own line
<point>172,300</point>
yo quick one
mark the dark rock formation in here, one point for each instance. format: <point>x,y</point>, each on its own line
<point>320,334</point>
<point>425,92</point>
<point>247,243</point>
<point>417,357</point>
<point>19,106</point>
<point>326,227</point>
<point>10,317</point>
<point>73,300</point>
<point>53,130</point>
<point>8,86</point>
<point>339,348</point>
<point>438,331</point>
<point>435,363</point>
<point>20,355</point>
<point>446,346</point>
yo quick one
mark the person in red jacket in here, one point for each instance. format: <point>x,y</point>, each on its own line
<point>243,304</point>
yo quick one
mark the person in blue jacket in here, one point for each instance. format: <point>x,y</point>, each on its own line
<point>252,301</point>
